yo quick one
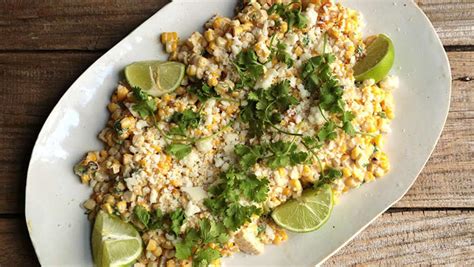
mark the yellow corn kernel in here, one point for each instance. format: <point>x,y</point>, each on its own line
<point>236,30</point>
<point>106,207</point>
<point>216,263</point>
<point>210,35</point>
<point>211,46</point>
<point>127,122</point>
<point>296,185</point>
<point>357,174</point>
<point>109,199</point>
<point>346,172</point>
<point>247,26</point>
<point>157,148</point>
<point>379,172</point>
<point>168,37</point>
<point>171,46</point>
<point>283,234</point>
<point>122,92</point>
<point>378,140</point>
<point>91,156</point>
<point>219,23</point>
<point>152,245</point>
<point>370,125</point>
<point>298,51</point>
<point>170,263</point>
<point>283,27</point>
<point>371,167</point>
<point>212,81</point>
<point>385,165</point>
<point>277,240</point>
<point>351,183</point>
<point>85,178</point>
<point>157,252</point>
<point>369,177</point>
<point>389,113</point>
<point>286,191</point>
<point>112,107</point>
<point>191,70</point>
<point>282,172</point>
<point>121,206</point>
<point>356,153</point>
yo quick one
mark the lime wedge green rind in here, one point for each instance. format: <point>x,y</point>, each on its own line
<point>306,213</point>
<point>114,242</point>
<point>378,60</point>
<point>155,77</point>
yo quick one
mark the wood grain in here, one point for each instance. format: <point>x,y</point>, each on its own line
<point>16,248</point>
<point>453,20</point>
<point>412,238</point>
<point>97,25</point>
<point>447,181</point>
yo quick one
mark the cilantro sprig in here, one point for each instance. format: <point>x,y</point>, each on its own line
<point>184,121</point>
<point>291,13</point>
<point>248,68</point>
<point>145,105</point>
<point>265,106</point>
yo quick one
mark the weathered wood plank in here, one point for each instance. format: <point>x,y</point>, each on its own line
<point>76,24</point>
<point>420,237</point>
<point>453,19</point>
<point>97,25</point>
<point>34,82</point>
<point>15,244</point>
<point>412,238</point>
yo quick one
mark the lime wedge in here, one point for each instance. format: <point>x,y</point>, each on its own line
<point>155,77</point>
<point>114,242</point>
<point>306,213</point>
<point>377,62</point>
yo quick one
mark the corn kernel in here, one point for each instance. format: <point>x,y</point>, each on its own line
<point>152,245</point>
<point>112,107</point>
<point>85,178</point>
<point>378,140</point>
<point>191,70</point>
<point>106,207</point>
<point>346,172</point>
<point>168,37</point>
<point>212,82</point>
<point>369,177</point>
<point>357,174</point>
<point>389,113</point>
<point>282,172</point>
<point>122,92</point>
<point>283,27</point>
<point>121,206</point>
<point>89,204</point>
<point>298,51</point>
<point>210,35</point>
<point>356,153</point>
<point>170,263</point>
<point>157,252</point>
<point>286,191</point>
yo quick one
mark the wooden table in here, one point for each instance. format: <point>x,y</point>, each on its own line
<point>45,45</point>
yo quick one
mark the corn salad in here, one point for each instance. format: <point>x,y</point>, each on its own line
<point>261,47</point>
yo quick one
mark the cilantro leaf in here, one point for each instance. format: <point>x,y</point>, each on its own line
<point>203,91</point>
<point>145,105</point>
<point>328,176</point>
<point>177,219</point>
<point>184,249</point>
<point>142,215</point>
<point>347,126</point>
<point>184,120</point>
<point>248,156</point>
<point>248,67</point>
<point>212,232</point>
<point>265,106</point>
<point>206,256</point>
<point>156,220</point>
<point>291,13</point>
<point>285,154</point>
<point>327,132</point>
<point>282,55</point>
<point>178,150</point>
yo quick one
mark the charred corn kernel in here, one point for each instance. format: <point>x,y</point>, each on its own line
<point>112,107</point>
<point>283,27</point>
<point>351,183</point>
<point>191,70</point>
<point>85,178</point>
<point>157,252</point>
<point>210,35</point>
<point>127,122</point>
<point>202,62</point>
<point>91,156</point>
<point>286,191</point>
<point>298,51</point>
<point>122,92</point>
<point>152,245</point>
<point>378,140</point>
<point>212,81</point>
<point>236,30</point>
<point>346,172</point>
<point>109,199</point>
<point>121,206</point>
<point>185,263</point>
<point>219,23</point>
<point>357,174</point>
<point>356,153</point>
<point>89,204</point>
<point>107,208</point>
<point>212,46</point>
<point>168,37</point>
<point>171,47</point>
<point>170,263</point>
<point>369,177</point>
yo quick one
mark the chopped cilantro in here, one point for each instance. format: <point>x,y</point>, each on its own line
<point>145,106</point>
<point>205,256</point>
<point>328,176</point>
<point>327,132</point>
<point>142,215</point>
<point>203,91</point>
<point>184,120</point>
<point>248,67</point>
<point>178,150</point>
<point>177,219</point>
<point>291,13</point>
